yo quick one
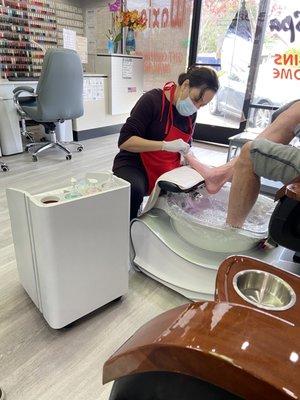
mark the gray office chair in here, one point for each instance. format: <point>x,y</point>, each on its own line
<point>58,97</point>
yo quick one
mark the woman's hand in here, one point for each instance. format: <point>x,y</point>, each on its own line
<point>189,156</point>
<point>176,146</point>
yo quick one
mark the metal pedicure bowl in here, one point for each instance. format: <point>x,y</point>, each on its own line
<point>264,290</point>
<point>243,345</point>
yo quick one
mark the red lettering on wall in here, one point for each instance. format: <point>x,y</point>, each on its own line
<point>144,15</point>
<point>178,9</point>
<point>174,17</point>
<point>297,74</point>
<point>174,57</point>
<point>156,12</point>
<point>161,62</point>
<point>157,68</point>
<point>277,59</point>
<point>286,73</point>
<point>150,16</point>
<point>276,73</point>
<point>287,59</point>
<point>165,18</point>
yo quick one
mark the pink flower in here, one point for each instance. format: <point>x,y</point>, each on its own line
<point>114,7</point>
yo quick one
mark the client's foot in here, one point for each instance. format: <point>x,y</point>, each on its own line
<point>215,180</point>
<point>202,169</point>
<point>215,177</point>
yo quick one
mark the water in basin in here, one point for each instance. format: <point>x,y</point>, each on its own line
<point>201,219</point>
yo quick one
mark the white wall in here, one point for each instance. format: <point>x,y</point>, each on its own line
<point>75,3</point>
<point>95,5</point>
<point>90,4</point>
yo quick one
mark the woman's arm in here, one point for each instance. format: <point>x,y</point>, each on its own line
<point>136,144</point>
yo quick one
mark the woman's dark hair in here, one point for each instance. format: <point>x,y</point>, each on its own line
<point>202,77</point>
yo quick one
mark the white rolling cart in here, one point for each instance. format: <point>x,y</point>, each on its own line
<point>72,253</point>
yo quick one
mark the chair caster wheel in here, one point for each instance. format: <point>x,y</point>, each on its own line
<point>34,158</point>
<point>2,394</point>
<point>43,139</point>
<point>68,157</point>
<point>4,168</point>
<point>80,149</point>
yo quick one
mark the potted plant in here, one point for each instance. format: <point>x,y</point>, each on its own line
<point>133,21</point>
<point>113,41</point>
<point>114,34</point>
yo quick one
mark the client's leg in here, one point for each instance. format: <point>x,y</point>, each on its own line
<point>261,158</point>
<point>138,186</point>
<point>215,177</point>
<point>282,130</point>
<point>244,189</point>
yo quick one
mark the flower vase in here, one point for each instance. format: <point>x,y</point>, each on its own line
<point>116,47</point>
<point>130,42</point>
<point>110,46</point>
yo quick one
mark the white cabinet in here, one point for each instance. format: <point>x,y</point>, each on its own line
<point>125,80</point>
<point>72,255</point>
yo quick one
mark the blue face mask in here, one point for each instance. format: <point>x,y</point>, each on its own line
<point>186,107</point>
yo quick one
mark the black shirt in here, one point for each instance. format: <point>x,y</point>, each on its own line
<point>145,121</point>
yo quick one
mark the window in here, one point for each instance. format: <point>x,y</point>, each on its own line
<point>164,44</point>
<point>225,42</point>
<point>255,47</point>
<point>278,74</point>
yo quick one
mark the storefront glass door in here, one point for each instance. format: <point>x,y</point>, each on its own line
<point>226,39</point>
<point>257,55</point>
<point>278,68</point>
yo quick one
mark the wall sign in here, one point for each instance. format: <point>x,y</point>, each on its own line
<point>93,88</point>
<point>291,24</point>
<point>69,39</point>
<point>81,48</point>
<point>127,68</point>
<point>172,15</point>
<point>287,66</point>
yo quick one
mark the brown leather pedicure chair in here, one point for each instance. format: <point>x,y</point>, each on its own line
<point>243,345</point>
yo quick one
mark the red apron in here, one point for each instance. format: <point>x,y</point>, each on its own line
<point>157,163</point>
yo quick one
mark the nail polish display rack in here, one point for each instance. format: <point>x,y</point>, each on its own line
<point>28,27</point>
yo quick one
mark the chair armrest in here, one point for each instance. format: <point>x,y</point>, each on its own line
<point>291,190</point>
<point>23,89</point>
<point>17,92</point>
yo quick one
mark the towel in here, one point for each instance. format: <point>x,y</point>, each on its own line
<point>185,177</point>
